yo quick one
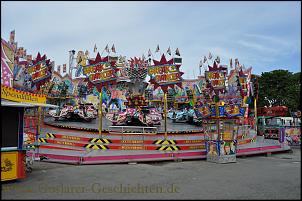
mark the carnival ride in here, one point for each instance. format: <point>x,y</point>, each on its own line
<point>180,116</point>
<point>137,111</point>
<point>86,112</point>
<point>272,124</point>
<point>220,135</point>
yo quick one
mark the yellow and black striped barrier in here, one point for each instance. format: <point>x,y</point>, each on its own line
<point>42,140</point>
<point>50,135</point>
<point>95,146</point>
<point>99,140</point>
<point>164,142</point>
<point>168,148</point>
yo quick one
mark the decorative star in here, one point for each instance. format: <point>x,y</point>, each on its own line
<point>163,61</point>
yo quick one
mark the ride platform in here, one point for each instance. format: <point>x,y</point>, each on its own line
<point>80,143</point>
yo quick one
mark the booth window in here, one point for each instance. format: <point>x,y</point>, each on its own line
<point>10,126</point>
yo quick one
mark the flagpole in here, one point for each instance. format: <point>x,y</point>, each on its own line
<point>200,66</point>
<point>255,111</point>
<point>100,115</point>
<point>165,112</point>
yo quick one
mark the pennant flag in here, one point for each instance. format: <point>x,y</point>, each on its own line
<point>12,37</point>
<point>204,59</point>
<point>86,53</point>
<point>200,63</point>
<point>177,52</point>
<point>210,55</point>
<point>231,63</point>
<point>236,62</point>
<point>64,68</point>
<point>149,53</point>
<point>169,51</point>
<point>107,48</point>
<point>217,59</point>
<point>157,49</point>
<point>113,49</point>
<point>95,48</point>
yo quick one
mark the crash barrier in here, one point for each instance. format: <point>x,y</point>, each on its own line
<point>122,144</point>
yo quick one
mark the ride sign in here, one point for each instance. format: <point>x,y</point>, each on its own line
<point>165,74</point>
<point>216,78</point>
<point>100,71</point>
<point>38,71</point>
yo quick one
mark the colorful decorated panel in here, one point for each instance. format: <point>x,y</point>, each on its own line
<point>221,148</point>
<point>100,71</point>
<point>165,74</point>
<point>216,78</point>
<point>7,63</point>
<point>39,71</point>
<point>205,111</point>
<point>234,111</point>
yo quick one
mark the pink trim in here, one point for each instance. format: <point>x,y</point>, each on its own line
<point>143,156</point>
<point>258,149</point>
<point>61,148</point>
<point>61,157</point>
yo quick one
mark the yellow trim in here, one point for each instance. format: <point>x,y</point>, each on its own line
<point>12,94</point>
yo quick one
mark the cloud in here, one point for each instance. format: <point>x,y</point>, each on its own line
<point>260,34</point>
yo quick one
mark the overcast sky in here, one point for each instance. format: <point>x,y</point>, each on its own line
<point>264,35</point>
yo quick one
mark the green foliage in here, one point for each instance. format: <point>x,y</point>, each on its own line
<point>280,88</point>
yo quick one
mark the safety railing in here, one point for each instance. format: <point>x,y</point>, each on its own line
<point>132,130</point>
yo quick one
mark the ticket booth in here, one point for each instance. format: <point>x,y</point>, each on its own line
<point>13,153</point>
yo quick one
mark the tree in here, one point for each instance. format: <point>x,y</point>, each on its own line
<point>280,88</point>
